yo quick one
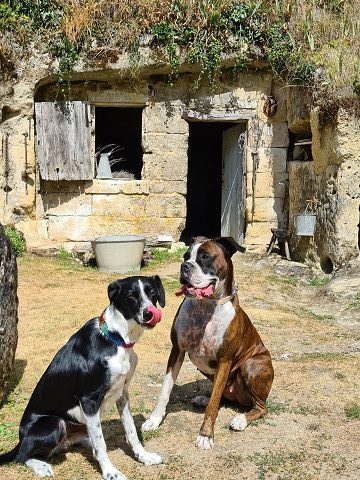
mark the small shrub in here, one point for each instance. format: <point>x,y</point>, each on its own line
<point>170,283</point>
<point>16,239</point>
<point>162,255</point>
<point>274,406</point>
<point>64,255</point>
<point>7,431</point>
<point>352,411</point>
<point>146,436</point>
<point>318,281</point>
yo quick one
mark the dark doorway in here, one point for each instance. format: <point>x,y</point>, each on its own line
<point>120,128</point>
<point>204,180</point>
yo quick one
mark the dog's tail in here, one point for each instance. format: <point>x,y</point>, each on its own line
<point>9,456</point>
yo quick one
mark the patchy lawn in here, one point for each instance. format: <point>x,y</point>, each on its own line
<point>312,430</point>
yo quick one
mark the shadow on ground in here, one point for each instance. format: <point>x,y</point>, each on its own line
<point>15,378</point>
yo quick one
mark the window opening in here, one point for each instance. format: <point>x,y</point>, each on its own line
<point>118,134</point>
<point>300,148</point>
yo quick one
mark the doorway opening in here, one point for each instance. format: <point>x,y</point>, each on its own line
<point>118,130</point>
<point>205,180</point>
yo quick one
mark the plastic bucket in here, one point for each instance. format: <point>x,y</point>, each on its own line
<point>305,225</point>
<point>103,168</point>
<point>119,253</point>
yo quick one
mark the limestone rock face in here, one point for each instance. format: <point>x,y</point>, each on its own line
<point>332,181</point>
<point>8,309</point>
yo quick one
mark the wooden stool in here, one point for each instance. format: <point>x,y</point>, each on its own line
<point>281,236</point>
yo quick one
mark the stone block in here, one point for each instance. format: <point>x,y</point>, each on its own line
<point>114,187</point>
<point>266,210</point>
<point>59,204</point>
<point>267,185</point>
<point>249,159</point>
<point>175,123</point>
<point>272,160</point>
<point>169,187</point>
<point>17,139</point>
<point>154,119</point>
<point>173,206</point>
<point>153,227</point>
<point>29,228</point>
<point>259,233</point>
<point>165,143</point>
<point>279,94</point>
<point>298,109</point>
<point>160,119</point>
<point>64,186</point>
<point>239,98</point>
<point>274,135</point>
<point>172,167</point>
<point>17,154</point>
<point>42,225</point>
<point>68,228</point>
<point>114,225</point>
<point>119,96</point>
<point>123,206</point>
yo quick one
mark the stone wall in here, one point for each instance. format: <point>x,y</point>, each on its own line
<point>72,213</point>
<point>332,181</point>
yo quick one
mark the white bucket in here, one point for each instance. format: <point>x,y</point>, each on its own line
<point>305,224</point>
<point>119,253</point>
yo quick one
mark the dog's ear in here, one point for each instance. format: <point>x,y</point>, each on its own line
<point>198,239</point>
<point>230,244</point>
<point>114,290</point>
<point>159,290</point>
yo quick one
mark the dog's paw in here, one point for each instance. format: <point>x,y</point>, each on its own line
<point>152,424</point>
<point>200,401</point>
<point>41,469</point>
<point>239,422</point>
<point>113,474</point>
<point>149,458</point>
<point>204,443</point>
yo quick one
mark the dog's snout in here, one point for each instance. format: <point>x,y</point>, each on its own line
<point>147,315</point>
<point>185,267</point>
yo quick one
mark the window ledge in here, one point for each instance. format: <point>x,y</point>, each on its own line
<point>114,186</point>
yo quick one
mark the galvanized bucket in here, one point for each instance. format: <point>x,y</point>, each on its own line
<point>119,253</point>
<point>305,224</point>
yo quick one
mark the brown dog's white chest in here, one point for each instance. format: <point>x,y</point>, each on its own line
<point>200,327</point>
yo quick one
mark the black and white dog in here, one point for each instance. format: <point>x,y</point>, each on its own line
<point>87,376</point>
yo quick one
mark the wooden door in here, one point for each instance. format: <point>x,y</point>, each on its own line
<point>63,131</point>
<point>233,183</point>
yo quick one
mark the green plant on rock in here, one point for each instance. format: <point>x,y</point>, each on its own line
<point>16,239</point>
<point>67,54</point>
<point>165,35</point>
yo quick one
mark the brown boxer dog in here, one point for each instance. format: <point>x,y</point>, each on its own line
<point>220,339</point>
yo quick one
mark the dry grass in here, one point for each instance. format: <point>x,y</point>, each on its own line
<point>117,22</point>
<point>327,33</point>
<point>310,432</point>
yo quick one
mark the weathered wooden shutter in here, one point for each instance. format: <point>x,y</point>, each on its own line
<point>63,140</point>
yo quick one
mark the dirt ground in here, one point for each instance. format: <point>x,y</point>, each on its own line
<point>311,329</point>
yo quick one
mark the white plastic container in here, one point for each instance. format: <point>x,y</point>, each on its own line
<point>305,225</point>
<point>119,253</point>
<point>103,168</point>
